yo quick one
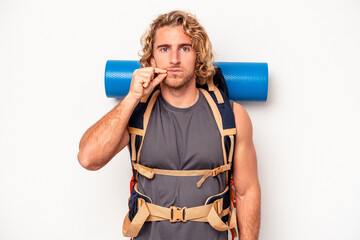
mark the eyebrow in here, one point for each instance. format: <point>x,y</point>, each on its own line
<point>180,45</point>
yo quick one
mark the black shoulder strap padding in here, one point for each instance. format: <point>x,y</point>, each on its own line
<point>137,118</point>
<point>219,81</point>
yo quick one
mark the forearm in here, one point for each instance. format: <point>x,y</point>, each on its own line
<point>108,136</point>
<point>102,141</point>
<point>248,214</point>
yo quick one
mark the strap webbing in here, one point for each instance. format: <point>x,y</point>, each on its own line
<point>131,229</point>
<point>152,212</point>
<point>213,88</point>
<point>216,222</point>
<point>146,121</point>
<point>219,123</point>
<point>231,152</point>
<point>133,148</point>
<point>136,131</point>
<point>197,214</point>
<point>150,172</point>
<point>214,172</point>
<point>230,131</point>
<point>215,111</point>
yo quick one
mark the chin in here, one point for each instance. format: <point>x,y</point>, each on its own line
<point>175,83</point>
<point>172,83</point>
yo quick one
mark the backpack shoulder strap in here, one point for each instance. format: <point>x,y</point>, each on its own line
<point>138,124</point>
<point>225,120</point>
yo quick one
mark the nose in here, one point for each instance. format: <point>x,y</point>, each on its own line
<point>174,57</point>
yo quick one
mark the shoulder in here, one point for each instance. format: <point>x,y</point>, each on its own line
<point>243,123</point>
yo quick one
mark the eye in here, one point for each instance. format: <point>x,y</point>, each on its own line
<point>164,49</point>
<point>185,49</point>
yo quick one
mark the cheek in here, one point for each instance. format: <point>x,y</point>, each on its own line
<point>159,60</point>
<point>194,56</point>
<point>190,59</point>
<point>193,62</point>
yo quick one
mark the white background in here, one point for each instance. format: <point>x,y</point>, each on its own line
<point>52,60</point>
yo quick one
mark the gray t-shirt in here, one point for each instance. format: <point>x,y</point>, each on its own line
<point>181,139</point>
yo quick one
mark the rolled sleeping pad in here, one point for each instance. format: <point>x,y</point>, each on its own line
<point>245,81</point>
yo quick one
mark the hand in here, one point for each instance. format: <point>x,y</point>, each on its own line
<point>143,81</point>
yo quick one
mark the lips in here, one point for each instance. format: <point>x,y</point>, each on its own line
<point>174,70</point>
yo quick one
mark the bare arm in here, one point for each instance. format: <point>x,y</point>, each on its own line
<point>102,141</point>
<point>246,182</point>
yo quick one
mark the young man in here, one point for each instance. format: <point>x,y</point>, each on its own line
<point>182,139</point>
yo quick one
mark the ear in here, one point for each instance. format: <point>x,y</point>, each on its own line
<point>152,62</point>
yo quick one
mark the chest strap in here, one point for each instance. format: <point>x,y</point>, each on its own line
<point>150,172</point>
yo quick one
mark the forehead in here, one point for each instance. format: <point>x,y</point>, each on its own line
<point>171,35</point>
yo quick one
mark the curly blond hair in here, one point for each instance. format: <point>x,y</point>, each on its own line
<point>204,68</point>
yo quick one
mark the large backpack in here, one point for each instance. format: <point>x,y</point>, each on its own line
<point>218,210</point>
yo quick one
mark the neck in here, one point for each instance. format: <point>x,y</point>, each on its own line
<point>181,98</point>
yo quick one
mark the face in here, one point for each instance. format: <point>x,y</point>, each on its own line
<point>173,51</point>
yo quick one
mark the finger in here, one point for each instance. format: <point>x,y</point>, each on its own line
<point>145,83</point>
<point>159,70</point>
<point>158,79</point>
<point>146,74</point>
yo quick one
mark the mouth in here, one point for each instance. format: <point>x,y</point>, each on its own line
<point>174,70</point>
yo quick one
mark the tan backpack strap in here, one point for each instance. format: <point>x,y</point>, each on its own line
<point>218,120</point>
<point>214,172</point>
<point>216,222</point>
<point>150,172</point>
<point>177,214</point>
<point>145,171</point>
<point>213,88</point>
<point>184,214</point>
<point>215,111</point>
<point>133,148</point>
<point>146,119</point>
<point>144,98</point>
<point>136,131</point>
<point>133,132</point>
<point>149,212</point>
<point>231,152</point>
<point>132,228</point>
<point>230,131</point>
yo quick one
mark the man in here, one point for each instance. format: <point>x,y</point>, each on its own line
<point>182,135</point>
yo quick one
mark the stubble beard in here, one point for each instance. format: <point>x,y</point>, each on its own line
<point>177,83</point>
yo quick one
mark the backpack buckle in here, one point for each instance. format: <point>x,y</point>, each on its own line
<point>177,214</point>
<point>216,171</point>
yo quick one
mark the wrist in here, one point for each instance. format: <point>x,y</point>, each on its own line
<point>132,98</point>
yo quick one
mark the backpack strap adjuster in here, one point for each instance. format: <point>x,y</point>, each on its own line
<point>216,171</point>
